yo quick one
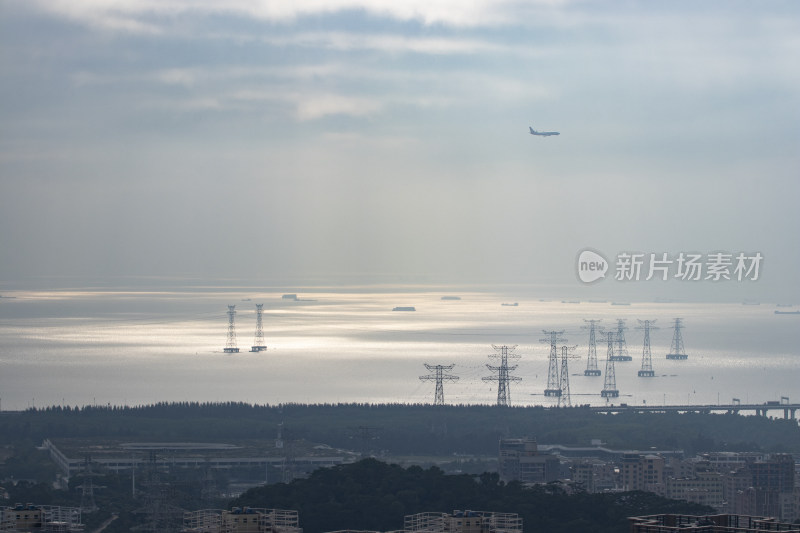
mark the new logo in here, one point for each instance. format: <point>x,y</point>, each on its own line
<point>591,266</point>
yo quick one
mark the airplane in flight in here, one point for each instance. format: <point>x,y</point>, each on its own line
<point>543,133</point>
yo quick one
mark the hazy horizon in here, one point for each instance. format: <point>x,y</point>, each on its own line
<point>310,143</point>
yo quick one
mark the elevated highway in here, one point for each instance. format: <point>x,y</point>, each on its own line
<point>758,409</point>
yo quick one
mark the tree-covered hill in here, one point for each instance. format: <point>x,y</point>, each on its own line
<point>373,495</point>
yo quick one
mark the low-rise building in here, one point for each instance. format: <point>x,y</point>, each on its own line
<point>520,460</point>
<point>642,472</point>
<point>723,523</point>
<point>463,522</point>
<point>705,488</point>
<point>40,518</point>
<point>241,520</point>
<point>593,475</point>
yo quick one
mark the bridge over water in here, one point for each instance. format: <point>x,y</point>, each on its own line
<point>759,409</point>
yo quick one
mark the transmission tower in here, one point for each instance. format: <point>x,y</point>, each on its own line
<point>439,377</point>
<point>553,380</point>
<point>209,492</point>
<point>230,346</point>
<point>676,350</point>
<point>622,347</point>
<point>647,359</point>
<point>591,361</point>
<point>503,377</point>
<point>160,515</point>
<point>610,382</point>
<point>87,488</point>
<point>258,343</point>
<point>563,398</point>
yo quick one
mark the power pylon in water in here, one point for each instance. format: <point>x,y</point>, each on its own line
<point>622,347</point>
<point>439,376</point>
<point>553,379</point>
<point>676,350</point>
<point>258,342</point>
<point>230,346</point>
<point>563,398</point>
<point>647,359</point>
<point>610,382</point>
<point>591,361</point>
<point>503,377</point>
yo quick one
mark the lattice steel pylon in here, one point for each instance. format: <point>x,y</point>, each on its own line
<point>439,376</point>
<point>87,488</point>
<point>622,347</point>
<point>563,398</point>
<point>647,358</point>
<point>160,515</point>
<point>676,350</point>
<point>258,342</point>
<point>591,360</point>
<point>610,381</point>
<point>553,379</point>
<point>230,346</point>
<point>503,377</point>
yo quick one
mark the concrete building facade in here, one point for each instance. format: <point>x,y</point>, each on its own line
<point>241,520</point>
<point>520,460</point>
<point>463,522</point>
<point>40,518</point>
<point>723,523</point>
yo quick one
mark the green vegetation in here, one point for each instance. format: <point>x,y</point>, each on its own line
<point>405,429</point>
<point>369,494</point>
<point>376,496</point>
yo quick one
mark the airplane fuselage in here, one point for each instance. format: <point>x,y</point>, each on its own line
<point>543,133</point>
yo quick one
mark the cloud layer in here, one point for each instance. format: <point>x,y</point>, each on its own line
<point>165,138</point>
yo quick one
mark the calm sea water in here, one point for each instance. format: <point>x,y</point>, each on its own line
<point>136,347</point>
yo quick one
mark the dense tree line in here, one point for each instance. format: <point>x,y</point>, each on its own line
<point>404,429</point>
<point>376,496</point>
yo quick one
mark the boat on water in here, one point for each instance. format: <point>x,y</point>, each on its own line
<point>787,312</point>
<point>404,308</point>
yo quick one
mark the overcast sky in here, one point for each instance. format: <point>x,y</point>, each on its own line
<point>291,140</point>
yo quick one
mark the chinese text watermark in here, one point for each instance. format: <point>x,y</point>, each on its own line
<point>684,266</point>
